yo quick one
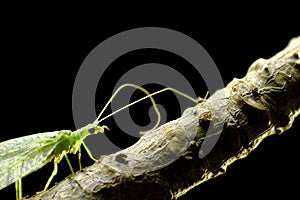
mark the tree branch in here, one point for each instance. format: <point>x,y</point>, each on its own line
<point>167,162</point>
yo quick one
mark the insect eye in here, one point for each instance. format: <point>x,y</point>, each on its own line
<point>91,130</point>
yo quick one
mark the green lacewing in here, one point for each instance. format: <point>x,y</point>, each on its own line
<point>21,156</point>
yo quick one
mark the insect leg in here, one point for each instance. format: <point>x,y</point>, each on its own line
<point>79,157</point>
<point>89,152</point>
<point>51,177</point>
<point>69,163</point>
<point>18,186</point>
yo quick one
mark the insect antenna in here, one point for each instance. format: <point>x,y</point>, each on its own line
<point>148,95</point>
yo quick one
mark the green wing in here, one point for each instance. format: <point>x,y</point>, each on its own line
<point>22,156</point>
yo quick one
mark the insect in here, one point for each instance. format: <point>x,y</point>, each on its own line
<point>22,156</point>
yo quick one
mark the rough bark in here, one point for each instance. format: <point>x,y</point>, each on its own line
<point>167,162</point>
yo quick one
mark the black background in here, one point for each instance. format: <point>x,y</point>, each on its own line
<point>42,52</point>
